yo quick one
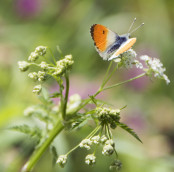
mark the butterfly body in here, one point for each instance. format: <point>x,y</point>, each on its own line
<point>108,43</point>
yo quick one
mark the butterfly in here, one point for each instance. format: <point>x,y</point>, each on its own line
<point>109,44</point>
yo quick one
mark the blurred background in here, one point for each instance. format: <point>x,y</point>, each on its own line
<point>25,24</point>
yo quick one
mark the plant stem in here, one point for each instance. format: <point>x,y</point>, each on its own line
<point>106,88</point>
<point>38,152</point>
<point>120,83</point>
<point>109,77</point>
<point>89,136</point>
<point>103,83</point>
<point>66,96</point>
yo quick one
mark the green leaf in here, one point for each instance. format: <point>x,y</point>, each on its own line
<point>55,95</point>
<point>54,153</point>
<point>129,130</point>
<point>28,130</point>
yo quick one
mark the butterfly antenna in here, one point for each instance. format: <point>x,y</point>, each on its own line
<point>137,28</point>
<point>131,25</point>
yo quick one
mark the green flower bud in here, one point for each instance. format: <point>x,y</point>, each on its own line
<point>33,75</point>
<point>37,89</point>
<point>23,66</point>
<point>33,56</point>
<point>62,159</point>
<point>41,50</point>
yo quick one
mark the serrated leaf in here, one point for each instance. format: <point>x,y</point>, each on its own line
<point>76,120</point>
<point>129,130</point>
<point>28,130</point>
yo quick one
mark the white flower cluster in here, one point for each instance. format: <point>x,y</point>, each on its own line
<point>96,139</point>
<point>39,51</point>
<point>108,116</point>
<point>37,89</point>
<point>90,159</point>
<point>23,65</point>
<point>62,159</point>
<point>63,65</point>
<point>155,67</point>
<point>103,139</point>
<point>128,59</point>
<point>106,111</point>
<point>86,143</point>
<point>43,65</point>
<point>40,76</point>
<point>108,148</point>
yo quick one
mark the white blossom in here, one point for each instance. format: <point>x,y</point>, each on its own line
<point>33,56</point>
<point>37,89</point>
<point>90,159</point>
<point>103,139</point>
<point>41,50</point>
<point>44,65</point>
<point>86,143</point>
<point>95,139</point>
<point>33,75</point>
<point>63,65</point>
<point>110,142</point>
<point>155,67</point>
<point>23,65</point>
<point>108,150</point>
<point>62,159</point>
<point>41,76</point>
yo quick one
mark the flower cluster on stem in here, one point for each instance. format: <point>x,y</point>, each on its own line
<point>67,114</point>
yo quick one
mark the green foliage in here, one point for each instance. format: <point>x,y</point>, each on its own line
<point>54,154</point>
<point>129,130</point>
<point>30,131</point>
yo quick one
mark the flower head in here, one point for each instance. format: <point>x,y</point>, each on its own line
<point>63,65</point>
<point>128,59</point>
<point>44,65</point>
<point>41,76</point>
<point>33,75</point>
<point>37,89</point>
<point>155,68</point>
<point>108,150</point>
<point>41,50</point>
<point>95,139</point>
<point>62,159</point>
<point>23,66</point>
<point>90,159</point>
<point>86,143</point>
<point>108,116</point>
<point>110,142</point>
<point>33,56</point>
<point>103,139</point>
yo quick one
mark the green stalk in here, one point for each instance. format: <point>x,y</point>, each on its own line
<point>66,96</point>
<point>106,88</point>
<point>109,77</point>
<point>105,77</point>
<point>39,151</point>
<point>120,83</point>
<point>53,133</point>
<point>89,136</point>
